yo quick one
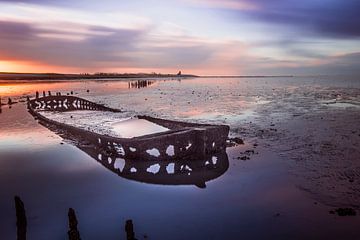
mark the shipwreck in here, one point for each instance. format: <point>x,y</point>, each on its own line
<point>186,153</point>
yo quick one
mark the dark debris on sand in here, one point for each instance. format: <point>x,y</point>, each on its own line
<point>343,212</point>
<point>246,154</point>
<point>235,141</point>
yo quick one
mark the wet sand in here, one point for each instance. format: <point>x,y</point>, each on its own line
<point>302,161</point>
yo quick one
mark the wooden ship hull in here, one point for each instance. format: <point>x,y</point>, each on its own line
<point>198,150</point>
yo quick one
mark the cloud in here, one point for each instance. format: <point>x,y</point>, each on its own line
<point>328,18</point>
<point>91,40</point>
<point>97,47</point>
<point>345,64</point>
<point>225,4</point>
<point>23,41</point>
<point>324,18</point>
<point>40,2</point>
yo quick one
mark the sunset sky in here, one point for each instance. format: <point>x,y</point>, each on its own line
<point>204,37</point>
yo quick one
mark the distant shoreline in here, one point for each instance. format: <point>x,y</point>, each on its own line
<point>59,76</point>
<point>246,76</point>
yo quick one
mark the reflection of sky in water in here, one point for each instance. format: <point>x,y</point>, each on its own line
<point>21,88</point>
<point>137,127</point>
<point>19,130</point>
<point>109,123</point>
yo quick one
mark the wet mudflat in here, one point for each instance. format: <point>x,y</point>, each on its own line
<point>300,161</point>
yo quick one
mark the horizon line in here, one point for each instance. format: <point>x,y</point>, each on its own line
<point>114,74</point>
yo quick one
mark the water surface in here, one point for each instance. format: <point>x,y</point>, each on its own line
<point>257,198</point>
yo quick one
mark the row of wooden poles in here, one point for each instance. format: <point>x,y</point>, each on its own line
<point>73,232</point>
<point>140,84</point>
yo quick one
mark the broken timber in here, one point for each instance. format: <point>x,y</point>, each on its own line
<point>198,149</point>
<point>188,139</point>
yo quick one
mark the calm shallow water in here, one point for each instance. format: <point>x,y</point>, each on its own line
<point>113,124</point>
<point>258,198</point>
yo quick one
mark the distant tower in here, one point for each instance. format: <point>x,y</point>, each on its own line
<point>179,73</point>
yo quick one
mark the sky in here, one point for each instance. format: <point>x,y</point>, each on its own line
<point>204,37</point>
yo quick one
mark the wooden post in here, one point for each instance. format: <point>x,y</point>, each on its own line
<point>129,229</point>
<point>73,232</point>
<point>21,222</point>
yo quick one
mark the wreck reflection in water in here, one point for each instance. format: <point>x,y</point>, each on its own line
<point>180,172</point>
<point>195,170</point>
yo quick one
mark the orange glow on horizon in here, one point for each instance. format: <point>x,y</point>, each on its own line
<point>16,66</point>
<point>36,67</point>
<point>28,88</point>
<point>29,67</point>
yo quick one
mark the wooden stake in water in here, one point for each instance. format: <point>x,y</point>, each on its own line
<point>21,222</point>
<point>73,232</point>
<point>129,229</point>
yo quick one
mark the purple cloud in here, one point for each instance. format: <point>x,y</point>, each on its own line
<point>330,18</point>
<point>347,64</point>
<point>99,47</point>
<point>22,41</point>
